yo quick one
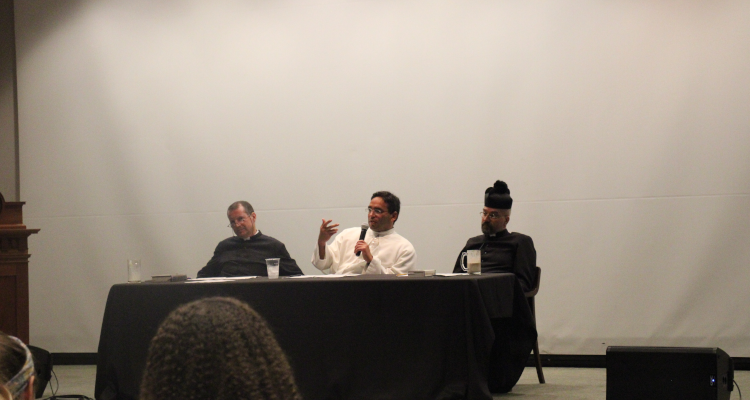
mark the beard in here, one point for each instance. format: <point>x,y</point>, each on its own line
<point>488,228</point>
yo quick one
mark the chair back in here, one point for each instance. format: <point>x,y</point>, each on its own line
<point>537,279</point>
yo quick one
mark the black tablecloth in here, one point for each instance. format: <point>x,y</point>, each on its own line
<point>366,337</point>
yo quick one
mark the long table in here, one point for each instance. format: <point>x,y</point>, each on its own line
<point>365,337</point>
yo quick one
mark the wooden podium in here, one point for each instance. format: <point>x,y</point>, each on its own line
<point>14,270</point>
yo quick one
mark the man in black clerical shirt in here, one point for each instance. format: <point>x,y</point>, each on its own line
<point>245,254</point>
<point>502,251</point>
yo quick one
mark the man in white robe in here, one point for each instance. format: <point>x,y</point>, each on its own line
<point>382,251</point>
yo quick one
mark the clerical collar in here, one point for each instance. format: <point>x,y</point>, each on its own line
<point>498,234</point>
<point>384,233</point>
<point>248,238</point>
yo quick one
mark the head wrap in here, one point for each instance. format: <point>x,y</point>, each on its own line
<point>17,384</point>
<point>498,196</point>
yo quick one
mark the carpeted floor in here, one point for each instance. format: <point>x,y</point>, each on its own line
<point>562,383</point>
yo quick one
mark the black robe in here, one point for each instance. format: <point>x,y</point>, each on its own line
<point>238,257</point>
<point>515,336</point>
<point>504,252</point>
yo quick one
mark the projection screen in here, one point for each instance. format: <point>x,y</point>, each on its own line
<point>621,127</point>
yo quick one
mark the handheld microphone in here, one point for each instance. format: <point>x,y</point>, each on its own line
<point>362,235</point>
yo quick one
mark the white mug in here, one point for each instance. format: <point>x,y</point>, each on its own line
<point>474,261</point>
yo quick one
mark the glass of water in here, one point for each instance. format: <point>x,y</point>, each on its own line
<point>134,271</point>
<point>272,264</point>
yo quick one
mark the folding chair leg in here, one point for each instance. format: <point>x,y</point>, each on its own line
<point>538,359</point>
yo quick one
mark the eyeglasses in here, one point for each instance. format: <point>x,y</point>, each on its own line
<point>377,211</point>
<point>493,215</point>
<point>237,221</point>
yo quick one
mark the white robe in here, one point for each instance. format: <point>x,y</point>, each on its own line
<point>391,253</point>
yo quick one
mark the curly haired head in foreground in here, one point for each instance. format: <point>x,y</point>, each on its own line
<point>216,348</point>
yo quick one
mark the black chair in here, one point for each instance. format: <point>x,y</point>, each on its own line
<point>42,367</point>
<point>530,297</point>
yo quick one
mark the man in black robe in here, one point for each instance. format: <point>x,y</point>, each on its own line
<point>245,254</point>
<point>503,251</point>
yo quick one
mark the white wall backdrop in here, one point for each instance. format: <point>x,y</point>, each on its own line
<point>622,128</point>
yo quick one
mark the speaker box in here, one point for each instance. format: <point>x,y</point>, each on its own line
<point>679,373</point>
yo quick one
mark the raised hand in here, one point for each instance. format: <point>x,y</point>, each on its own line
<point>327,231</point>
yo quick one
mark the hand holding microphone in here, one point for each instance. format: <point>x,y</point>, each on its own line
<point>361,247</point>
<point>362,236</point>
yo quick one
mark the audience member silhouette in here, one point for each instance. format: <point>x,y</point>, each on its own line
<point>216,348</point>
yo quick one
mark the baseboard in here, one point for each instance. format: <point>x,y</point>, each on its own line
<point>548,360</point>
<point>74,358</point>
<point>600,361</point>
<point>741,363</point>
<point>570,361</point>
